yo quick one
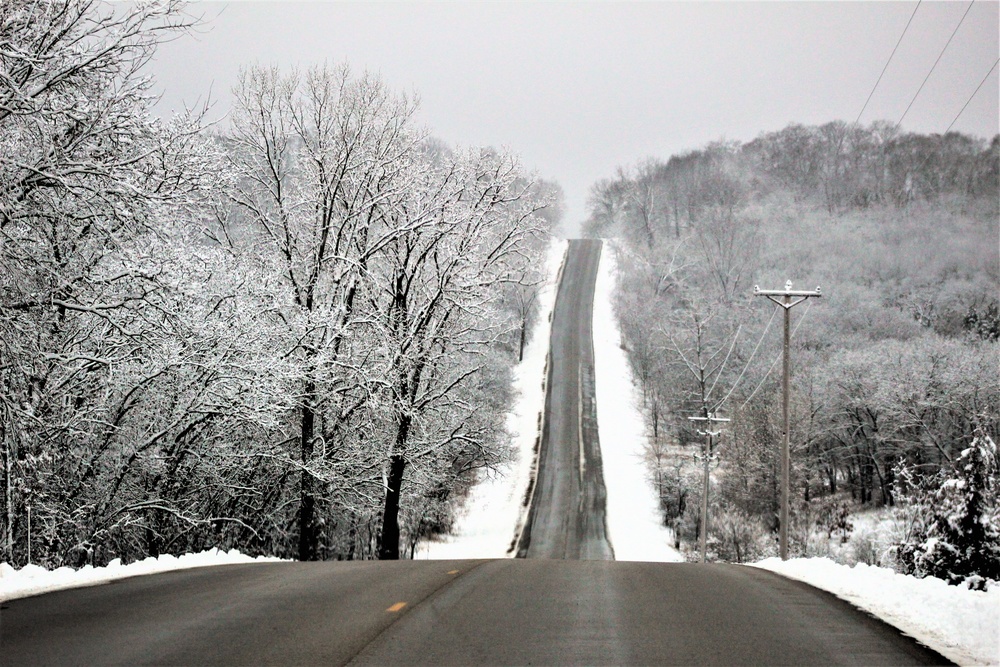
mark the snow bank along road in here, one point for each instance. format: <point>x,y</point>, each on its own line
<point>551,610</point>
<point>566,518</point>
<point>490,612</point>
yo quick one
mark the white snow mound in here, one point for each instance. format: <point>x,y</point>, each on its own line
<point>962,625</point>
<point>33,579</point>
<point>634,522</point>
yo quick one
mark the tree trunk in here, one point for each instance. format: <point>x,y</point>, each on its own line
<point>878,481</point>
<point>389,542</point>
<point>8,537</point>
<point>308,539</point>
<point>152,539</point>
<point>866,481</point>
<point>520,344</point>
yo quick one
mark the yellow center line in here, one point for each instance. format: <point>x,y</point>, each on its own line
<point>396,607</point>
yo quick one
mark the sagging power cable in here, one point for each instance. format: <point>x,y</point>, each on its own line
<point>934,66</point>
<point>745,367</point>
<point>898,42</point>
<point>952,124</point>
<point>773,363</point>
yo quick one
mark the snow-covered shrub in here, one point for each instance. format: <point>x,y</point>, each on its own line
<point>738,537</point>
<point>866,547</point>
<point>955,520</point>
<point>872,540</point>
<point>836,521</point>
<point>822,528</point>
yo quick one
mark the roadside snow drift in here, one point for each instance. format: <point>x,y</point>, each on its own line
<point>635,525</point>
<point>960,624</point>
<point>33,579</point>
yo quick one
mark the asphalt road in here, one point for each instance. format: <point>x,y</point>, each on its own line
<point>501,612</point>
<point>566,518</point>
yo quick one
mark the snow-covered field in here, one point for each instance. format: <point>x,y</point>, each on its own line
<point>494,511</point>
<point>634,524</point>
<point>32,579</point>
<point>960,624</point>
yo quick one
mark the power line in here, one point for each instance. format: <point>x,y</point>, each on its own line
<point>927,159</point>
<point>898,42</point>
<point>840,144</point>
<point>749,361</point>
<point>973,95</point>
<point>934,66</point>
<point>776,359</point>
<point>724,362</point>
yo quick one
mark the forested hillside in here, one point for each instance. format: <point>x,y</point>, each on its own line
<point>290,334</point>
<point>894,368</point>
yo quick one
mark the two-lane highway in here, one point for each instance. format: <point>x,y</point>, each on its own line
<point>566,518</point>
<point>500,612</point>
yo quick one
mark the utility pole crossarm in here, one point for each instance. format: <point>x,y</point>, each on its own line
<point>789,292</point>
<point>787,295</point>
<point>712,419</point>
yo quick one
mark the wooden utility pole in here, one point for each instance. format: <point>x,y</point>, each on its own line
<point>788,299</point>
<point>709,434</point>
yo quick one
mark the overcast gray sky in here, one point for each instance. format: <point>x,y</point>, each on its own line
<point>578,89</point>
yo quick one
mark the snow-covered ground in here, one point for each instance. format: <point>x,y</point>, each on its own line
<point>960,624</point>
<point>32,579</point>
<point>634,521</point>
<point>494,511</point>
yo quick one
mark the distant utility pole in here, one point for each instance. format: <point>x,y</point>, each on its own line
<point>789,299</point>
<point>710,419</point>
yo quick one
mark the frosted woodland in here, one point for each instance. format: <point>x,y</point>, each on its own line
<point>292,332</point>
<point>290,335</point>
<point>894,394</point>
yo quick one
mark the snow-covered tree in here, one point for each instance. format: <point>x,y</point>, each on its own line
<point>955,520</point>
<point>393,253</point>
<point>321,159</point>
<point>465,231</point>
<point>85,178</point>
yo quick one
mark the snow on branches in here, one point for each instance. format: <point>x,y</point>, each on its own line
<point>231,339</point>
<point>955,519</point>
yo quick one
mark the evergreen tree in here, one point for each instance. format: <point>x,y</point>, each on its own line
<point>956,533</point>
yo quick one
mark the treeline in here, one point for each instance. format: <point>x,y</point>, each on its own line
<point>844,167</point>
<point>894,368</point>
<point>291,336</point>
